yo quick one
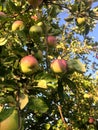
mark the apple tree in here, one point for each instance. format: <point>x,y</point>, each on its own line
<point>46,80</point>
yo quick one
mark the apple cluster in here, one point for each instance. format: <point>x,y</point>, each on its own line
<point>30,65</point>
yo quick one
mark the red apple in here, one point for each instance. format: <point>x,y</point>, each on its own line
<point>51,41</point>
<point>29,64</point>
<point>2,14</point>
<point>18,25</point>
<point>59,65</point>
<point>91,120</point>
<point>35,3</point>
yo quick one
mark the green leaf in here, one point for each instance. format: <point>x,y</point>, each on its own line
<point>54,10</point>
<point>45,80</point>
<point>12,6</point>
<point>70,83</point>
<point>76,65</point>
<point>5,113</point>
<point>38,105</point>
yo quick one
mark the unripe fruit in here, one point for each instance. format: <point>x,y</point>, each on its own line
<point>51,41</point>
<point>29,64</point>
<point>35,29</point>
<point>81,20</point>
<point>18,25</point>
<point>35,3</point>
<point>59,66</point>
<point>10,123</point>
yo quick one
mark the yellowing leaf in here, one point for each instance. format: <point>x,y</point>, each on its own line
<point>42,83</point>
<point>23,100</point>
<point>1,107</point>
<point>3,41</point>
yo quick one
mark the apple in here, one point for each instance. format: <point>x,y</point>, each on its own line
<point>59,65</point>
<point>35,3</point>
<point>35,29</point>
<point>2,14</point>
<point>91,120</point>
<point>81,20</point>
<point>29,64</point>
<point>51,41</point>
<point>18,25</point>
<point>11,122</point>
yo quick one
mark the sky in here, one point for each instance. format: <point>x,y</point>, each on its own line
<point>95,31</point>
<point>93,34</point>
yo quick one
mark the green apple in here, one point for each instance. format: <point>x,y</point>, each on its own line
<point>35,29</point>
<point>47,126</point>
<point>10,123</point>
<point>29,64</point>
<point>51,41</point>
<point>18,25</point>
<point>81,20</point>
<point>59,66</point>
<point>35,3</point>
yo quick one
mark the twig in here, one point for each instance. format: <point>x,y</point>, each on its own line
<point>61,114</point>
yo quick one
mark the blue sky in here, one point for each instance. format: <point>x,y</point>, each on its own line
<point>95,31</point>
<point>93,34</point>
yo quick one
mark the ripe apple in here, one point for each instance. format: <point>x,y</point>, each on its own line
<point>51,41</point>
<point>81,20</point>
<point>59,65</point>
<point>29,64</point>
<point>35,3</point>
<point>91,120</point>
<point>2,14</point>
<point>35,29</point>
<point>18,25</point>
<point>10,123</point>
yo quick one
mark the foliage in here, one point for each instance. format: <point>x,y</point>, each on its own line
<point>45,100</point>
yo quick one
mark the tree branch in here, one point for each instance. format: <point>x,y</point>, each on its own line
<point>61,114</point>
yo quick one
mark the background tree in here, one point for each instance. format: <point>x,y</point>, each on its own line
<point>44,82</point>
